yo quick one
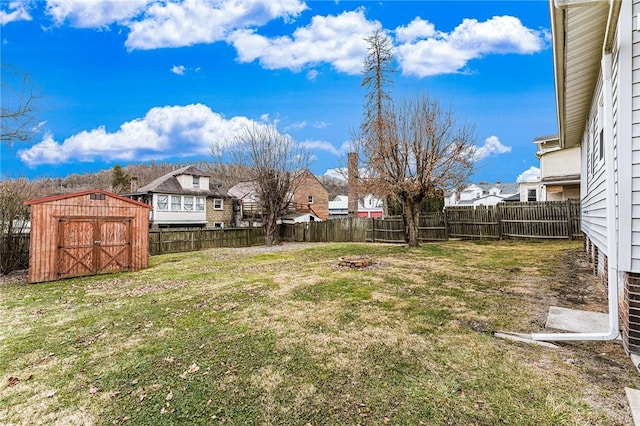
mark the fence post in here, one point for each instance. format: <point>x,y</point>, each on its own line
<point>569,219</point>
<point>445,221</point>
<point>160,243</point>
<point>499,221</point>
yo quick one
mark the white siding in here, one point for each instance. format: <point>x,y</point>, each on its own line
<point>594,201</point>
<point>634,167</point>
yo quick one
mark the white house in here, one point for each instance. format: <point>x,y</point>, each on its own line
<point>179,198</point>
<point>596,46</point>
<point>559,169</point>
<point>481,194</point>
<point>368,206</point>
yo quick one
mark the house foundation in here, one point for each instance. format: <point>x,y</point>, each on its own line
<point>629,302</point>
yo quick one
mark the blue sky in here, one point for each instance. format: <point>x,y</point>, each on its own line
<point>137,80</point>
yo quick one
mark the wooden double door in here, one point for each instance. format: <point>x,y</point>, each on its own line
<point>90,246</point>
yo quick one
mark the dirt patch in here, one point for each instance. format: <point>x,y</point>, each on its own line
<point>574,285</point>
<point>15,277</point>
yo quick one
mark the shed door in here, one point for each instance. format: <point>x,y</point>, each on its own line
<point>89,246</point>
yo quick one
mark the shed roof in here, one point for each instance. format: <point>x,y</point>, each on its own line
<point>83,193</point>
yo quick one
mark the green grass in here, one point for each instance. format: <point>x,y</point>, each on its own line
<point>218,337</point>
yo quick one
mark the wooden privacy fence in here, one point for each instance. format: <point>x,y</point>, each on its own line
<point>182,240</point>
<point>536,220</point>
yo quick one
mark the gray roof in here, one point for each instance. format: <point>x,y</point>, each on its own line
<point>168,184</point>
<point>505,188</point>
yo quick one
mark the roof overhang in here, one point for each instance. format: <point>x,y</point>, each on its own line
<point>581,31</point>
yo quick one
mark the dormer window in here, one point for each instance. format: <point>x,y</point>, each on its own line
<point>196,181</point>
<point>310,199</point>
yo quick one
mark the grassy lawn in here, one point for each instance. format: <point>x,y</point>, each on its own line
<point>287,337</point>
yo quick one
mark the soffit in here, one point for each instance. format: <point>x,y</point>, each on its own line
<point>578,35</point>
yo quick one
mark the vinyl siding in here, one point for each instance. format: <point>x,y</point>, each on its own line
<point>594,201</point>
<point>635,145</point>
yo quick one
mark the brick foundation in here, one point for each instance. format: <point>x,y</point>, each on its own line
<point>630,315</point>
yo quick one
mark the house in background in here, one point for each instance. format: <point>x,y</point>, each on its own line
<point>185,198</point>
<point>530,189</point>
<point>369,206</point>
<point>309,199</point>
<point>310,195</point>
<point>559,170</point>
<point>221,207</point>
<point>596,47</point>
<point>481,194</point>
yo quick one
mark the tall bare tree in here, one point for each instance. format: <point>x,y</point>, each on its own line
<point>18,106</point>
<point>271,161</point>
<point>411,150</point>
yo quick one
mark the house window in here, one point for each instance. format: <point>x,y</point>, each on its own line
<point>218,204</point>
<point>531,195</point>
<point>200,204</point>
<point>96,197</point>
<point>163,202</point>
<point>310,199</point>
<point>601,144</point>
<point>218,225</point>
<point>188,203</point>
<point>196,181</point>
<point>176,202</point>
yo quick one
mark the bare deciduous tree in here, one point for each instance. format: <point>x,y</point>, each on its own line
<point>411,150</point>
<point>271,161</point>
<point>18,105</point>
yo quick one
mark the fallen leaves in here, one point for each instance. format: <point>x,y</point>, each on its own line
<point>192,369</point>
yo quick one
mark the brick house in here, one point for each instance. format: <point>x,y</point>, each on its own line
<point>220,208</point>
<point>309,196</point>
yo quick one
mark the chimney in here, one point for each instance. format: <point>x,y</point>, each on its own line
<point>134,183</point>
<point>353,179</point>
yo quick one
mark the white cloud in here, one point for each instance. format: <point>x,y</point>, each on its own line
<point>337,174</point>
<point>425,52</point>
<point>492,146</point>
<point>16,11</point>
<point>164,132</point>
<point>337,40</point>
<point>169,24</point>
<point>417,29</point>
<point>532,174</point>
<point>296,126</point>
<point>94,13</point>
<point>178,69</point>
<point>312,75</point>
<point>321,145</point>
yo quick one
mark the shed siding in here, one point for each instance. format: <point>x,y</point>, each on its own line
<point>44,230</point>
<point>635,144</point>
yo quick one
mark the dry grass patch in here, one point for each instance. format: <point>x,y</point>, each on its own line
<point>281,335</point>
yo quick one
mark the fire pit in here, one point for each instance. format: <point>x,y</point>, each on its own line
<point>355,261</point>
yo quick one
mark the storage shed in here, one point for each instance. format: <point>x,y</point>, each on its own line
<point>87,233</point>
